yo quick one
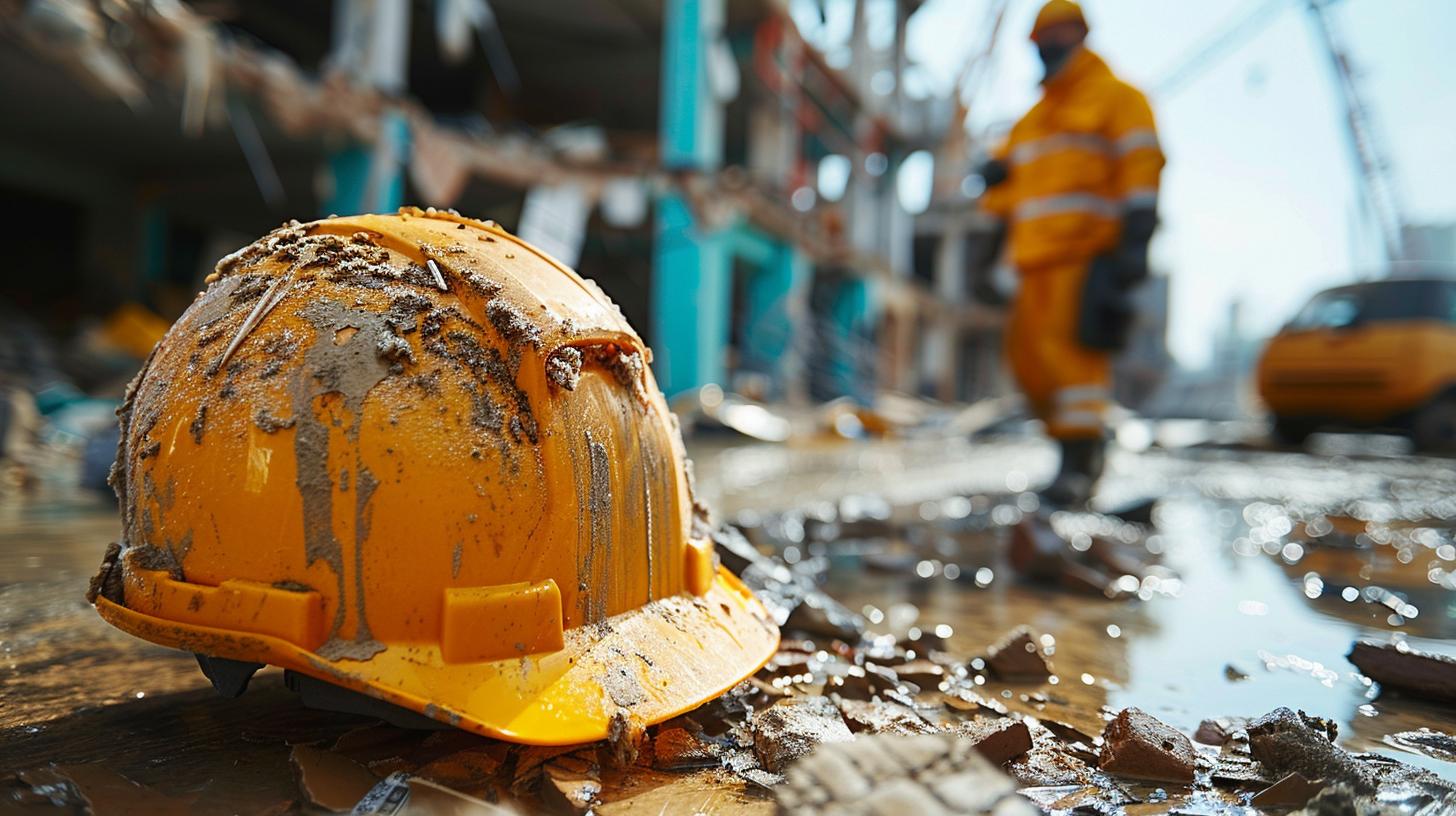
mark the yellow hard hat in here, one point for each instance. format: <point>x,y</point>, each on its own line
<point>1056,12</point>
<point>416,458</point>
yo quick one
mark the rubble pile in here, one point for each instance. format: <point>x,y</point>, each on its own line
<point>844,720</point>
<point>854,714</point>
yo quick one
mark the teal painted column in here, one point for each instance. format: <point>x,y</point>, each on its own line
<point>853,355</point>
<point>370,178</point>
<point>691,300</point>
<point>691,280</point>
<point>772,315</point>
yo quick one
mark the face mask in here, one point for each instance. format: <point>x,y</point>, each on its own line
<point>1052,56</point>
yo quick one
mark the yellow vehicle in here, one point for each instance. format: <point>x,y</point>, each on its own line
<point>1380,354</point>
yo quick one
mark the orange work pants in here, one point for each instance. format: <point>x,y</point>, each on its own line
<point>1067,384</point>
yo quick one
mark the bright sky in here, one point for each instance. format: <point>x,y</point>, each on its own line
<point>1258,199</point>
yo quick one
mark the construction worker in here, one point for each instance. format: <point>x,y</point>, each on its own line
<point>1075,192</point>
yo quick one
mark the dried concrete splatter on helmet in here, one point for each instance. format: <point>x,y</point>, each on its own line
<point>563,367</point>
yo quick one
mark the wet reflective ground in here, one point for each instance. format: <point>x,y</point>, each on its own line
<point>1276,563</point>
<point>1282,561</point>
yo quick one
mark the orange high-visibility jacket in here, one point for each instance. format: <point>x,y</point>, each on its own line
<point>1085,153</point>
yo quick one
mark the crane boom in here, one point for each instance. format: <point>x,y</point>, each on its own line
<point>1373,169</point>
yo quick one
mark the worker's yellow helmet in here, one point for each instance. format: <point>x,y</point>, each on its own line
<point>414,457</point>
<point>1056,12</point>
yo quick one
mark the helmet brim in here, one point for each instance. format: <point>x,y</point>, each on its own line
<point>647,665</point>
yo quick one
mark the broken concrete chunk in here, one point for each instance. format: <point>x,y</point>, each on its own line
<point>922,673</point>
<point>998,739</point>
<point>570,785</point>
<point>1138,745</point>
<point>1219,730</point>
<point>1286,742</point>
<point>1236,770</point>
<point>882,717</point>
<point>786,665</point>
<point>330,780</point>
<point>1425,742</point>
<point>1397,666</point>
<point>462,769</point>
<point>679,748</point>
<point>793,727</point>
<point>897,775</point>
<point>530,761</point>
<point>822,616</point>
<point>1018,657</point>
<point>1292,791</point>
<point>87,788</point>
<point>762,778</point>
<point>862,682</point>
<point>1051,762</point>
<point>1334,800</point>
<point>792,598</point>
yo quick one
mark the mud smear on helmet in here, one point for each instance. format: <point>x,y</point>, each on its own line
<point>487,366</point>
<point>279,350</point>
<point>599,546</point>
<point>168,554</point>
<point>198,426</point>
<point>351,369</point>
<point>514,327</point>
<point>120,468</point>
<point>267,423</point>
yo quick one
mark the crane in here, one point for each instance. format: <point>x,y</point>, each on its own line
<point>1373,170</point>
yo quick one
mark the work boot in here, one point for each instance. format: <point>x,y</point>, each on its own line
<point>1082,463</point>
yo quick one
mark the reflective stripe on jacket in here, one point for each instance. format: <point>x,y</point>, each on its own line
<point>1086,152</point>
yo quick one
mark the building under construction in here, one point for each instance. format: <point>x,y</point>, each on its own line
<point>731,185</point>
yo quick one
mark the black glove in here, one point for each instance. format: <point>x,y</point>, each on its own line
<point>981,251</point>
<point>1107,314</point>
<point>1131,255</point>
<point>993,172</point>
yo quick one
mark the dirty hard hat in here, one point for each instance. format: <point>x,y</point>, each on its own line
<point>1056,12</point>
<point>416,459</point>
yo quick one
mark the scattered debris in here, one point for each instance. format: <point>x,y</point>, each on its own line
<point>563,367</point>
<point>1425,742</point>
<point>1219,730</point>
<point>1138,745</point>
<point>1239,771</point>
<point>1286,742</point>
<point>570,784</point>
<point>88,788</point>
<point>882,717</point>
<point>1398,666</point>
<point>793,727</point>
<point>680,749</point>
<point>1293,791</point>
<point>924,673</point>
<point>998,739</point>
<point>465,769</point>
<point>925,775</point>
<point>1018,657</point>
